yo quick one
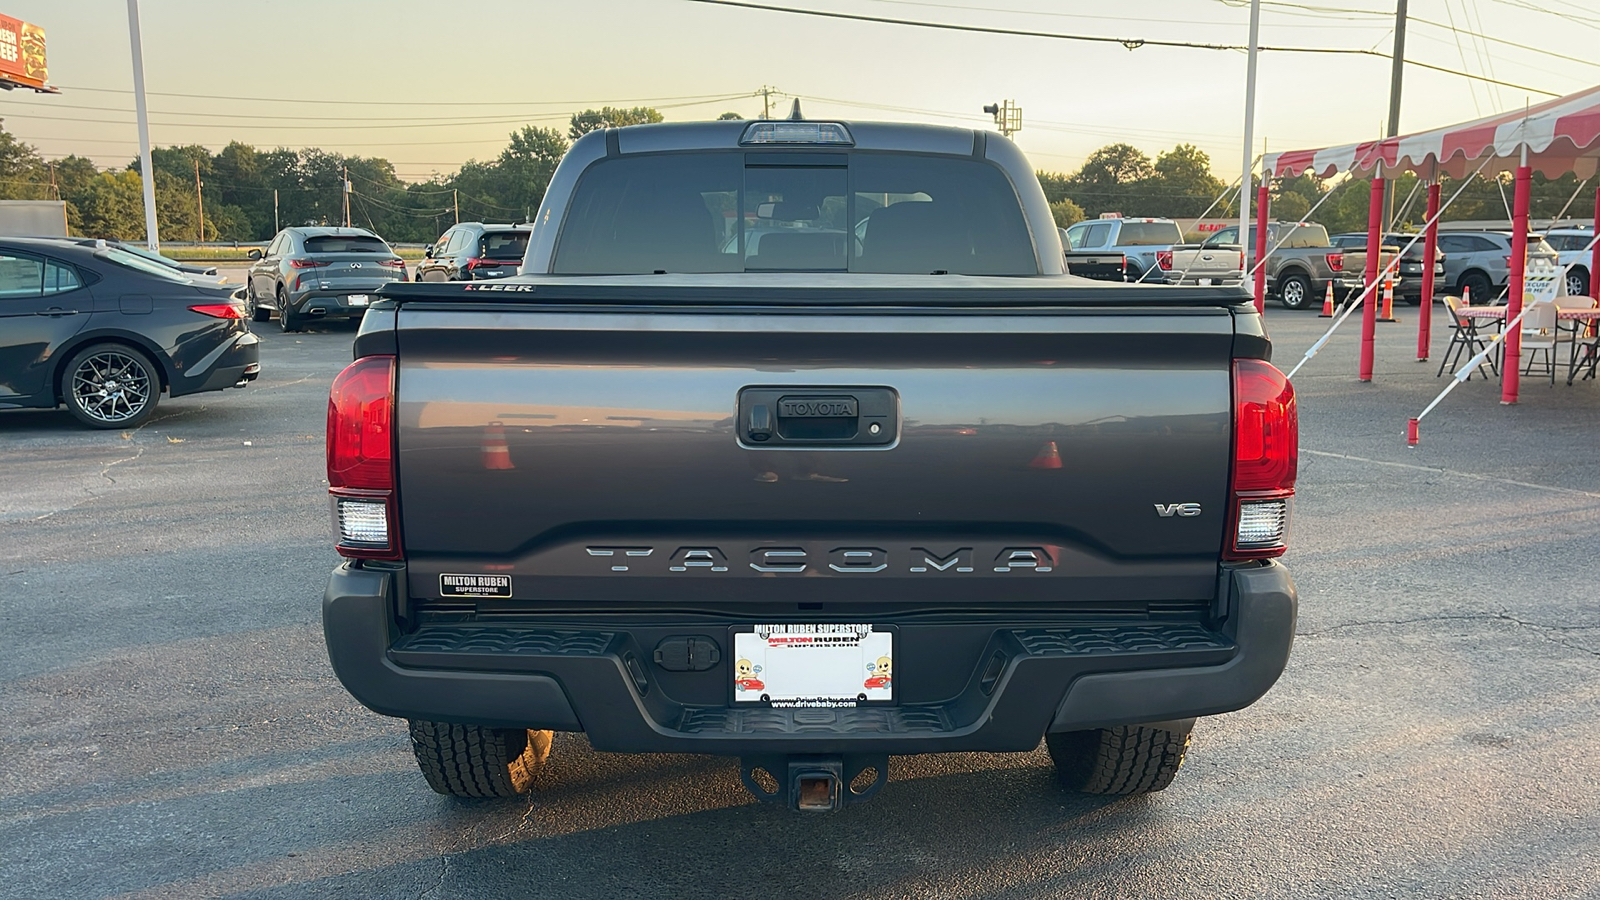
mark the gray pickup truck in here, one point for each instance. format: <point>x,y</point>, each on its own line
<point>1154,251</point>
<point>814,503</point>
<point>1301,261</point>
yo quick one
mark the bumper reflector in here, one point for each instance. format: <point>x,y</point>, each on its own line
<point>363,522</point>
<point>1263,523</point>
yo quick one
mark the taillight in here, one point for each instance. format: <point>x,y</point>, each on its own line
<point>1266,455</point>
<point>306,264</point>
<point>1336,261</point>
<point>361,478</point>
<point>393,263</point>
<point>1164,259</point>
<point>219,310</point>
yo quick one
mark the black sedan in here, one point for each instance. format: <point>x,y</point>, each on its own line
<point>106,332</point>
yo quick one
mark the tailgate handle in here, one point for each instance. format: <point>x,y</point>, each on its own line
<point>832,416</point>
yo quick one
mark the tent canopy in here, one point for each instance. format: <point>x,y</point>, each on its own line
<point>1562,136</point>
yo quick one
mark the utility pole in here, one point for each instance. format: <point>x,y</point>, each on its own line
<point>1246,175</point>
<point>152,234</point>
<point>455,200</point>
<point>1396,70</point>
<point>56,191</point>
<point>766,93</point>
<point>199,201</point>
<point>275,227</point>
<point>1007,116</point>
<point>347,196</point>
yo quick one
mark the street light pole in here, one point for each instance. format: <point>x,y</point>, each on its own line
<point>1246,177</point>
<point>152,235</point>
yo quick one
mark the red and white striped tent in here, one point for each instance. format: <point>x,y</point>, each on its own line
<point>1554,138</point>
<point>1562,135</point>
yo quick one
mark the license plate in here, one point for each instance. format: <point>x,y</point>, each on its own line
<point>813,665</point>
<point>357,299</point>
<point>1205,282</point>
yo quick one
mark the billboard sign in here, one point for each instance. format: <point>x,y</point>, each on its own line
<point>22,53</point>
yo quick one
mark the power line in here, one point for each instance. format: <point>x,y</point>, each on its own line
<point>414,103</point>
<point>1075,15</point>
<point>1130,43</point>
<point>559,117</point>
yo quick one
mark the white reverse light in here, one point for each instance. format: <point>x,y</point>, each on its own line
<point>363,521</point>
<point>1263,523</point>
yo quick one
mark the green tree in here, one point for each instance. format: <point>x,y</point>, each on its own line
<point>1055,185</point>
<point>1066,213</point>
<point>1181,184</point>
<point>1109,181</point>
<point>729,115</point>
<point>610,117</point>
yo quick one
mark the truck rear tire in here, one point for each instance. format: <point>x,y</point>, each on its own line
<point>1127,759</point>
<point>474,761</point>
<point>1294,291</point>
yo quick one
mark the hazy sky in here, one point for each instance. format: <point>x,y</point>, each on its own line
<point>431,84</point>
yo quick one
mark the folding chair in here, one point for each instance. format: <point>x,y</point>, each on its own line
<point>1465,340</point>
<point>1585,344</point>
<point>1540,335</point>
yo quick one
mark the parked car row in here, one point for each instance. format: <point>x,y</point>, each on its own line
<point>1154,252</point>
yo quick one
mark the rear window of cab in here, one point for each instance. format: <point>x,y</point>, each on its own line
<point>777,211</point>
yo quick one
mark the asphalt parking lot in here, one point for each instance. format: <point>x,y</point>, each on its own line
<point>172,729</point>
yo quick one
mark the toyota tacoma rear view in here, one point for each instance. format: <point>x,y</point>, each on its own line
<point>794,442</point>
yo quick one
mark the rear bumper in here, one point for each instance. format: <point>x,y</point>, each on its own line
<point>1027,679</point>
<point>237,361</point>
<point>334,302</point>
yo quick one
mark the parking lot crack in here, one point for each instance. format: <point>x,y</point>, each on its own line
<point>1441,470</point>
<point>444,870</point>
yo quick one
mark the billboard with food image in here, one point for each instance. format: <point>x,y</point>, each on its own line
<point>22,53</point>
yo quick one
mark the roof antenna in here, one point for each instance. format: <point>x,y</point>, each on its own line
<point>794,112</point>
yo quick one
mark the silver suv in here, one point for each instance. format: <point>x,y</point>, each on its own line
<point>1573,245</point>
<point>1480,261</point>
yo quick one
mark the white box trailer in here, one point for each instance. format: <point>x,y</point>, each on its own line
<point>42,218</point>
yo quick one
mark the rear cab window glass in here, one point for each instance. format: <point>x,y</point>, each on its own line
<point>503,244</point>
<point>1149,234</point>
<point>345,243</point>
<point>861,212</point>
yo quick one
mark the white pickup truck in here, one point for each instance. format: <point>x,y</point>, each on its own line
<point>1156,252</point>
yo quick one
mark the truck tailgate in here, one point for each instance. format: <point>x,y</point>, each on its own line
<point>598,455</point>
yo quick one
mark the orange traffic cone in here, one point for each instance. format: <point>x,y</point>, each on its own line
<point>1466,295</point>
<point>1048,457</point>
<point>1386,312</point>
<point>496,455</point>
<point>1327,303</point>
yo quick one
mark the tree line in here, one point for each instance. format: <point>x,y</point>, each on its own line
<point>246,193</point>
<point>1178,184</point>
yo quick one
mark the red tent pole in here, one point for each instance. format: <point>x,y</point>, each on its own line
<point>1430,252</point>
<point>1594,259</point>
<point>1369,309</point>
<point>1263,201</point>
<point>1510,373</point>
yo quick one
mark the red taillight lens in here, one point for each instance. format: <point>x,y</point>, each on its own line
<point>1266,456</point>
<point>306,264</point>
<point>1164,259</point>
<point>219,310</point>
<point>1336,261</point>
<point>361,459</point>
<point>393,263</point>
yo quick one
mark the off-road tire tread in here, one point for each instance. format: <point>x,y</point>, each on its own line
<point>1127,759</point>
<point>479,762</point>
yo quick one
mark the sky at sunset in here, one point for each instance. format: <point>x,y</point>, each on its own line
<point>429,85</point>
